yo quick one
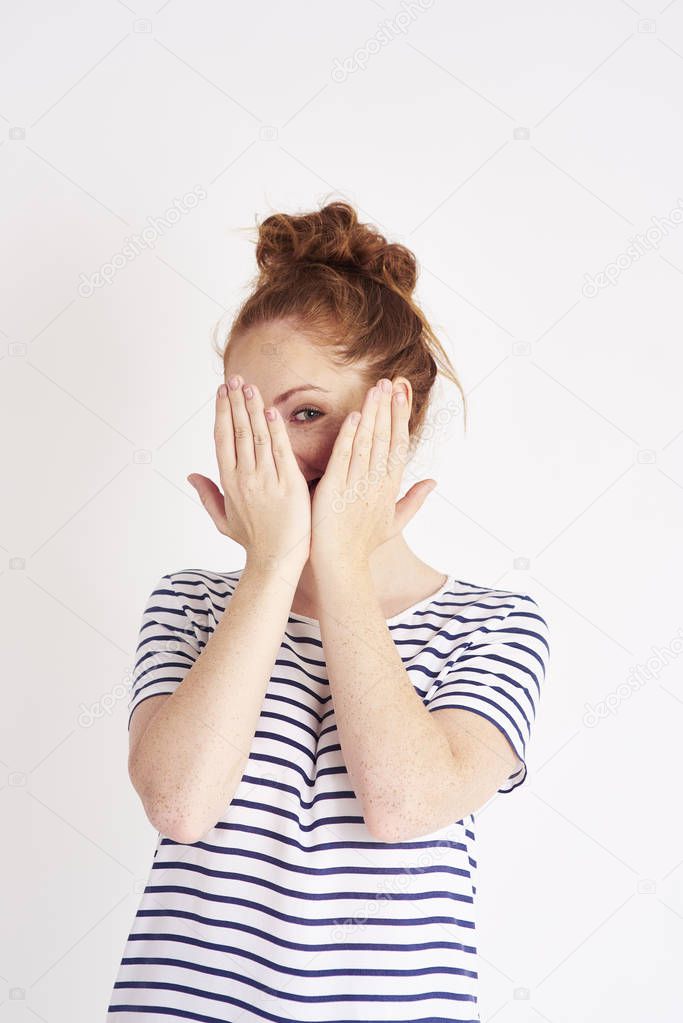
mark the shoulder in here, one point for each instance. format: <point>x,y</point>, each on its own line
<point>200,592</point>
<point>192,600</point>
<point>484,615</point>
<point>487,605</point>
<point>202,580</point>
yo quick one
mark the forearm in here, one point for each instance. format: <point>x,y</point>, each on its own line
<point>399,761</point>
<point>192,754</point>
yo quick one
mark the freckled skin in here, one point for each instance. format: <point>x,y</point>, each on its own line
<point>275,357</point>
<point>188,750</point>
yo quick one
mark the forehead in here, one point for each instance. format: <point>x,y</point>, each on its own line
<point>279,354</point>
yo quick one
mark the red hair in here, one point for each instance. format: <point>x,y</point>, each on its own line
<point>341,283</point>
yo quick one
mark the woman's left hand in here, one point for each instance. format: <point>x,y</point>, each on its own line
<point>354,507</point>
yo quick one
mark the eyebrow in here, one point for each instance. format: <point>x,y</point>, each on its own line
<point>293,390</point>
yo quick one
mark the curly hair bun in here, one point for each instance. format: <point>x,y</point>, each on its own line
<point>333,237</point>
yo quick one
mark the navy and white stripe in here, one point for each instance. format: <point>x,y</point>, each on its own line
<point>288,910</point>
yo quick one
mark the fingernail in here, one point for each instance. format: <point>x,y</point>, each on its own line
<point>222,391</point>
<point>233,383</point>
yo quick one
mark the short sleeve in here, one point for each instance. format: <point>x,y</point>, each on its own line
<point>500,674</point>
<point>167,645</point>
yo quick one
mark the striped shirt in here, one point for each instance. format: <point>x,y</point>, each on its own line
<point>288,910</point>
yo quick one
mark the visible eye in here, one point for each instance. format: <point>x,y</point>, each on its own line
<point>307,409</point>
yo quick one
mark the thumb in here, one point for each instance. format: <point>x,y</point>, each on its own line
<point>411,503</point>
<point>211,498</point>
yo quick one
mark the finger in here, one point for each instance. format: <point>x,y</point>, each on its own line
<point>381,439</point>
<point>211,498</point>
<point>338,463</point>
<point>263,453</point>
<point>400,437</point>
<point>244,440</point>
<point>410,504</point>
<point>286,464</point>
<point>223,433</point>
<point>362,441</point>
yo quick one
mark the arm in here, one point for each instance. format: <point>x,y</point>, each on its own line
<point>191,756</point>
<point>412,774</point>
<point>401,760</point>
<point>398,759</point>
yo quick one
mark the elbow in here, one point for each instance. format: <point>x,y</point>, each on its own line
<point>181,836</point>
<point>392,832</point>
<point>387,833</point>
<point>411,825</point>
<point>177,829</point>
<point>162,815</point>
<point>386,829</point>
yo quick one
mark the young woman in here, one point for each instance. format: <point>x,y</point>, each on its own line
<point>315,858</point>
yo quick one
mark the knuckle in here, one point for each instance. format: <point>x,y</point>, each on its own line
<point>248,483</point>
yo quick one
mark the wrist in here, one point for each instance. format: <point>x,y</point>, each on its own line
<point>267,566</point>
<point>335,563</point>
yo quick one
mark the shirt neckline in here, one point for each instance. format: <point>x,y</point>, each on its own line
<point>406,613</point>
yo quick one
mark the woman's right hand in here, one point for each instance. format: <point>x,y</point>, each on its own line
<point>265,505</point>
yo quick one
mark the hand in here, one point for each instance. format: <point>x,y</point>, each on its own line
<point>354,504</point>
<point>267,506</point>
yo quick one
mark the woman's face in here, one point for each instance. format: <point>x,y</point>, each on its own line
<point>312,394</point>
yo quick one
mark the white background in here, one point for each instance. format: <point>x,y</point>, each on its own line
<point>516,148</point>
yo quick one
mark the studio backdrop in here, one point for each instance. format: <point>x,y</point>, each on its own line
<point>529,156</point>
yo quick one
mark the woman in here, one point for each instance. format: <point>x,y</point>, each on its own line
<point>315,859</point>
